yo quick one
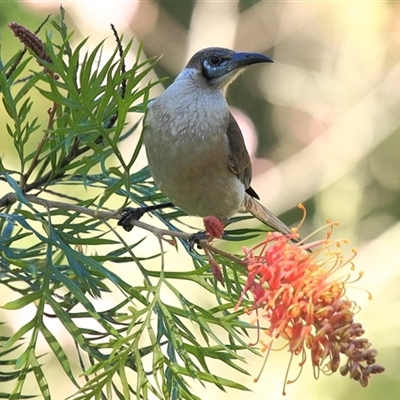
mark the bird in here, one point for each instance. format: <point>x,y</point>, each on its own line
<point>195,148</point>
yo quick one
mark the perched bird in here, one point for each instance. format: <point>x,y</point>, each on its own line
<point>195,149</point>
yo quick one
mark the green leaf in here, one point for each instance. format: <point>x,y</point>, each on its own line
<point>23,301</point>
<point>40,378</point>
<point>217,380</point>
<point>59,353</point>
<point>18,335</point>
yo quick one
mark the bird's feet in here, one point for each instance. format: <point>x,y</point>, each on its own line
<point>196,238</point>
<point>214,230</point>
<point>128,214</point>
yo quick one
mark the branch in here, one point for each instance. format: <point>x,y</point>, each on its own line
<point>116,215</point>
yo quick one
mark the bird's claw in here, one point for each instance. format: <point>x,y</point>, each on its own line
<point>128,214</point>
<point>196,238</point>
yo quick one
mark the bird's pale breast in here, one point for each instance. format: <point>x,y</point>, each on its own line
<point>187,150</point>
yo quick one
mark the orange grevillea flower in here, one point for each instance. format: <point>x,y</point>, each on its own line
<point>299,297</point>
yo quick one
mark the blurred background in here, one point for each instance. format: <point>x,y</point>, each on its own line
<point>321,123</point>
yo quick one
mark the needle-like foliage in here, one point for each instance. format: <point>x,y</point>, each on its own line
<point>62,189</point>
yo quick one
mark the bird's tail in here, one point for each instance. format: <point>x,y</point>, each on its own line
<point>252,206</point>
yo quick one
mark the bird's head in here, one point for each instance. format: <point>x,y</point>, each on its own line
<point>219,66</point>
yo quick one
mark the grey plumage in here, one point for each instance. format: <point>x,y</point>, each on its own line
<point>194,146</point>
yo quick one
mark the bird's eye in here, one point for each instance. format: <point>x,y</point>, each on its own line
<point>214,60</point>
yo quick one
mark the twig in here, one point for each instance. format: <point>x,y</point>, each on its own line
<point>35,161</point>
<point>106,215</point>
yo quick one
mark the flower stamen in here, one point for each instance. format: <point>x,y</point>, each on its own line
<point>302,303</point>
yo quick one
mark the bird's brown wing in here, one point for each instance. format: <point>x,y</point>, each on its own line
<point>239,159</point>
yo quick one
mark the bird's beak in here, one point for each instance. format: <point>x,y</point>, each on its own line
<point>240,60</point>
<point>231,67</point>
